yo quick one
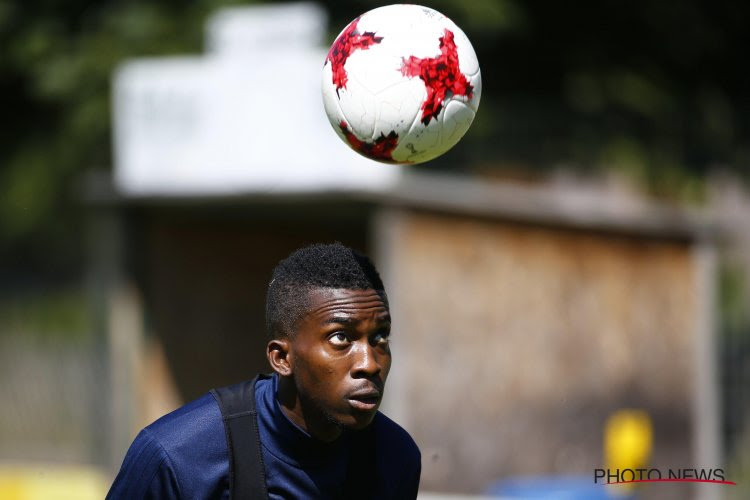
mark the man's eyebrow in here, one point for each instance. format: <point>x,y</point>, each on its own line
<point>386,318</point>
<point>344,320</point>
<point>348,320</point>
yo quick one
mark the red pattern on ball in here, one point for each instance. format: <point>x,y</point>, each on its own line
<point>381,149</point>
<point>441,76</point>
<point>342,48</point>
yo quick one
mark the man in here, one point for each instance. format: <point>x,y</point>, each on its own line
<point>319,430</point>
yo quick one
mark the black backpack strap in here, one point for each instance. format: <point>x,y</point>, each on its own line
<point>247,474</point>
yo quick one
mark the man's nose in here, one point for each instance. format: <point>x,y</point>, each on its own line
<point>366,362</point>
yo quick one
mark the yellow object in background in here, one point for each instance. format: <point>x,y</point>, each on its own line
<point>627,441</point>
<point>51,482</point>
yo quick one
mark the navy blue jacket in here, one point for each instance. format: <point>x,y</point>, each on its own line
<point>184,455</point>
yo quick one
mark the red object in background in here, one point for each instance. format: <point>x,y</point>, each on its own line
<point>342,48</point>
<point>381,149</point>
<point>441,76</point>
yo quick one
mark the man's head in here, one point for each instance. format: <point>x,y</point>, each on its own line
<point>328,319</point>
<point>315,266</point>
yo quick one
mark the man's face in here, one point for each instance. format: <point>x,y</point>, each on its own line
<point>340,354</point>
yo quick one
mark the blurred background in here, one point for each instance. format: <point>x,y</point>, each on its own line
<point>581,257</point>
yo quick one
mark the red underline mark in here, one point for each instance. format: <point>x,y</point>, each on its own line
<point>713,481</point>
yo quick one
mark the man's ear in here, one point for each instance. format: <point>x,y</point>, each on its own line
<point>278,354</point>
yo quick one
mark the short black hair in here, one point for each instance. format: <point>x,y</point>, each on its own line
<point>316,266</point>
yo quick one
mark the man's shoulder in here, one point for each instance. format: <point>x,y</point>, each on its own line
<point>394,438</point>
<point>181,455</point>
<point>188,422</point>
<point>189,431</point>
<point>198,420</point>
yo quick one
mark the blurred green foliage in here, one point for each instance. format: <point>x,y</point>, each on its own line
<point>733,299</point>
<point>62,313</point>
<point>656,90</point>
<point>56,62</point>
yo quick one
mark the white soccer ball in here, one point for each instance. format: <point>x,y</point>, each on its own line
<point>401,84</point>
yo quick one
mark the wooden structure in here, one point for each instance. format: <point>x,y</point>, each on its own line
<point>524,316</point>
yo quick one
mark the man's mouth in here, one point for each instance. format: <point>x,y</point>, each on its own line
<point>366,400</point>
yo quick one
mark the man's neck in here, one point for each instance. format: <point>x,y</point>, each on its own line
<point>305,416</point>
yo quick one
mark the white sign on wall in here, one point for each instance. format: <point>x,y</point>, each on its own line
<point>245,117</point>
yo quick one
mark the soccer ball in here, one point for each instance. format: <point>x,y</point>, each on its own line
<point>401,84</point>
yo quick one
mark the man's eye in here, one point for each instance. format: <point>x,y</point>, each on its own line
<point>339,339</point>
<point>382,338</point>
